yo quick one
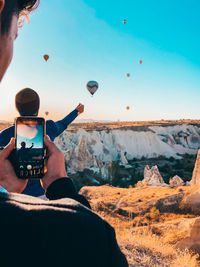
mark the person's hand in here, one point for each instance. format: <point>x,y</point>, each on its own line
<point>55,164</point>
<point>80,108</point>
<point>8,178</point>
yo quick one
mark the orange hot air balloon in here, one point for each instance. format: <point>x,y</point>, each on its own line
<point>140,61</point>
<point>46,57</point>
<point>128,75</point>
<point>124,21</point>
<point>127,107</point>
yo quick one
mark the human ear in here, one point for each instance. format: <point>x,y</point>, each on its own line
<point>2,3</point>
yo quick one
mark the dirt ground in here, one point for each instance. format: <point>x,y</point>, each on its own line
<point>148,222</point>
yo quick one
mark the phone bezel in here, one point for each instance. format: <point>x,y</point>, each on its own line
<point>23,119</point>
<point>29,118</point>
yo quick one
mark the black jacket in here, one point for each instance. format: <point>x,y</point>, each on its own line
<point>60,232</point>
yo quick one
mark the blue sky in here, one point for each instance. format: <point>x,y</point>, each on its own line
<point>86,40</point>
<point>37,140</point>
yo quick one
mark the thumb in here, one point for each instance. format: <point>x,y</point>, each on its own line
<point>51,147</point>
<point>8,149</point>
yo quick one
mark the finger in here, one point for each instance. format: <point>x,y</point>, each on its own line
<point>45,166</point>
<point>51,147</point>
<point>8,149</point>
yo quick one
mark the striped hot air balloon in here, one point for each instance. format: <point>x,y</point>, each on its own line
<point>92,87</point>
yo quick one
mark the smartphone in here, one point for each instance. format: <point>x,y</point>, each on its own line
<point>29,147</point>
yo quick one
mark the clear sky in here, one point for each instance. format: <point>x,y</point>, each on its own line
<point>37,140</point>
<point>87,40</point>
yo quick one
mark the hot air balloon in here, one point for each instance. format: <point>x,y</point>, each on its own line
<point>128,75</point>
<point>46,113</point>
<point>24,15</point>
<point>92,87</point>
<point>124,21</point>
<point>46,57</point>
<point>127,107</point>
<point>140,61</point>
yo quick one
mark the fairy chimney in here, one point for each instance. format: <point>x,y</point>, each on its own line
<point>196,172</point>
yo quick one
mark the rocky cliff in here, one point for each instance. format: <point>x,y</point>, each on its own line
<point>96,148</point>
<point>196,173</point>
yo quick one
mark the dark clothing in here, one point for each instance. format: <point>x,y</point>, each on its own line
<point>60,232</point>
<point>53,130</point>
<point>23,152</point>
<point>33,188</point>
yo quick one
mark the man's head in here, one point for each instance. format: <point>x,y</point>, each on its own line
<point>27,102</point>
<point>23,144</point>
<point>10,11</point>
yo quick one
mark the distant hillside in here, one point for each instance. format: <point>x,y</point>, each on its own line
<point>4,124</point>
<point>91,125</point>
<point>97,146</point>
<point>91,121</point>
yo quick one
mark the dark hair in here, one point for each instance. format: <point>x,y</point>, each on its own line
<point>23,144</point>
<point>27,102</point>
<point>15,7</point>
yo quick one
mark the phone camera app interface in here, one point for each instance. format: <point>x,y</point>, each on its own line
<point>30,152</point>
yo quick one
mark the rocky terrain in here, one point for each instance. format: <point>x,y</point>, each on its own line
<point>157,215</point>
<point>153,228</point>
<point>117,153</point>
<point>157,224</point>
<point>90,148</point>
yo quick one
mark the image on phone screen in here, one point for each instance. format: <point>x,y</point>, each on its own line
<point>29,141</point>
<point>30,148</point>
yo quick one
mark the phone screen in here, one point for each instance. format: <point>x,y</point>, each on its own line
<point>30,147</point>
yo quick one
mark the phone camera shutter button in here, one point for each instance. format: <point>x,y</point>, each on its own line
<point>29,167</point>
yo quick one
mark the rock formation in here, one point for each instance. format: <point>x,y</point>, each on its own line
<point>152,176</point>
<point>193,241</point>
<point>196,172</point>
<point>81,146</point>
<point>123,158</point>
<point>176,181</point>
<point>170,203</point>
<point>191,200</point>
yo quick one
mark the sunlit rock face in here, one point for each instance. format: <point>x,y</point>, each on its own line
<point>95,148</point>
<point>191,242</point>
<point>196,172</point>
<point>152,176</point>
<point>191,200</point>
<point>176,181</point>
